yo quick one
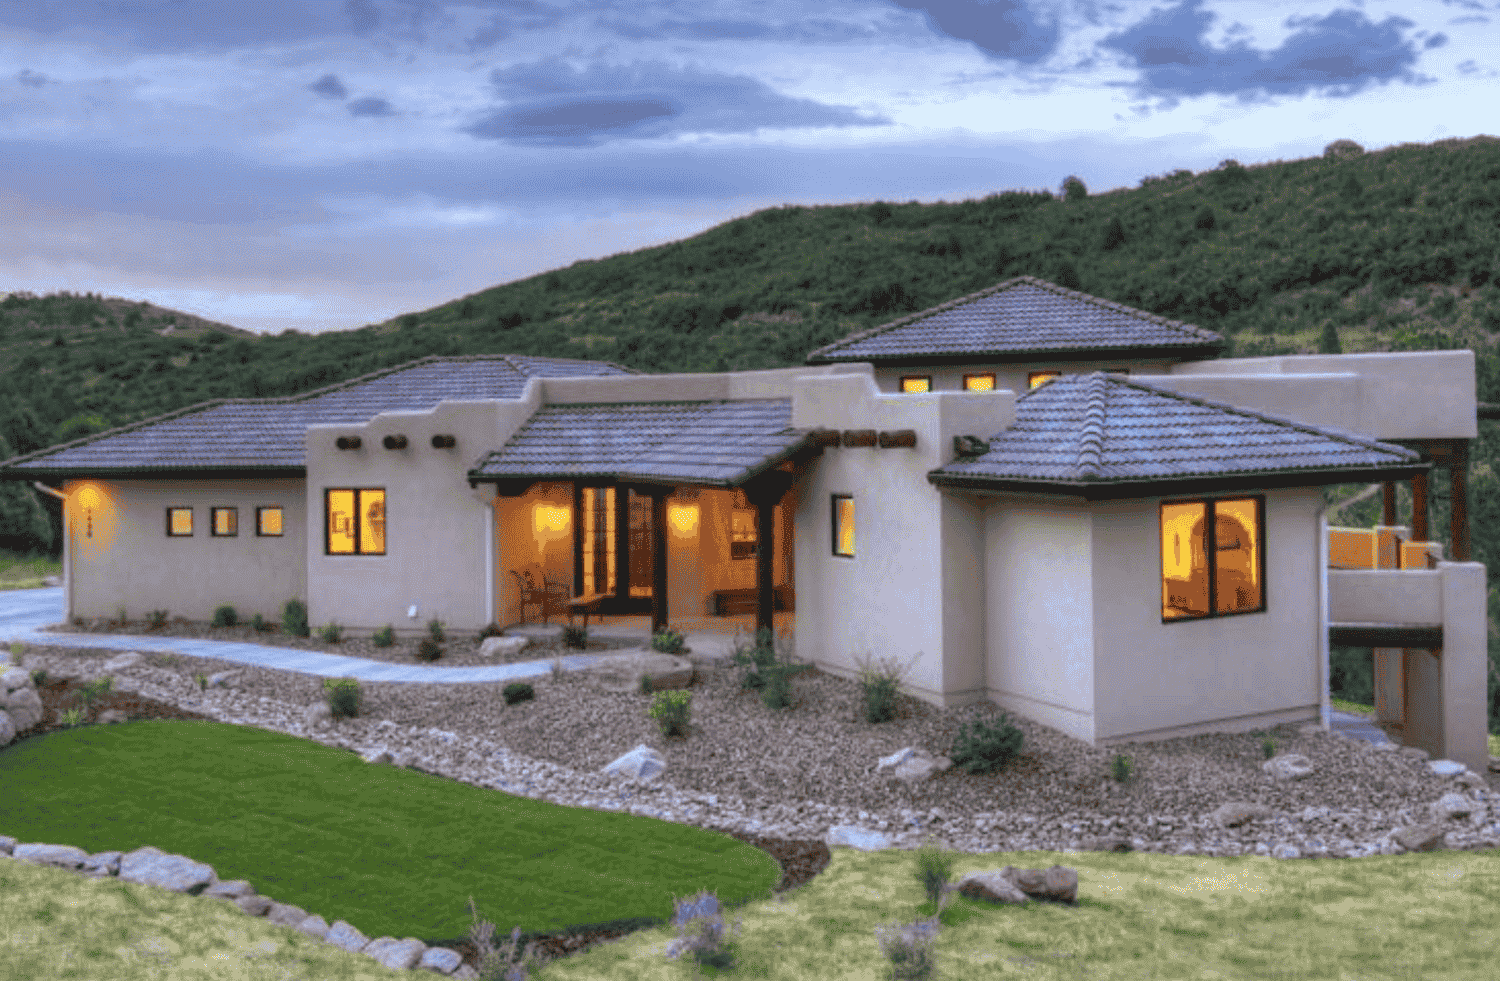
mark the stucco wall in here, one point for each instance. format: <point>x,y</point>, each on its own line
<point>130,561</point>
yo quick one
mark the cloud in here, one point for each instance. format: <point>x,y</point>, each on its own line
<point>182,25</point>
<point>363,16</point>
<point>371,106</point>
<point>816,31</point>
<point>1339,54</point>
<point>550,103</point>
<point>32,79</point>
<point>1003,28</point>
<point>330,86</point>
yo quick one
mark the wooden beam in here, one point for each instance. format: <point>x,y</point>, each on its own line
<point>1419,635</point>
<point>859,437</point>
<point>659,560</point>
<point>1419,507</point>
<point>898,438</point>
<point>1388,496</point>
<point>1458,477</point>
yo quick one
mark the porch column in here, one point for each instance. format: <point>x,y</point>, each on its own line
<point>658,560</point>
<point>622,545</point>
<point>577,539</point>
<point>1388,498</point>
<point>1458,479</point>
<point>765,556</point>
<point>1419,507</point>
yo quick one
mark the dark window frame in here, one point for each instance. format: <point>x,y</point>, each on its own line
<point>213,521</point>
<point>994,381</point>
<point>1210,533</point>
<point>359,501</point>
<point>258,523</point>
<point>835,523</point>
<point>179,507</point>
<point>901,384</point>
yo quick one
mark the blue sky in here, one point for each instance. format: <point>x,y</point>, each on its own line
<point>323,164</point>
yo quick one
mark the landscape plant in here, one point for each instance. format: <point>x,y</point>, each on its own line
<point>909,949</point>
<point>72,717</point>
<point>225,616</point>
<point>1269,748</point>
<point>671,710</point>
<point>669,641</point>
<point>120,617</point>
<point>517,691</point>
<point>700,932</point>
<point>1120,767</point>
<point>429,649</point>
<point>647,685</point>
<point>94,689</point>
<point>39,677</point>
<point>575,637</point>
<point>294,618</point>
<point>15,650</point>
<point>435,630</point>
<point>343,696</point>
<point>491,629</point>
<point>506,963</point>
<point>332,634</point>
<point>157,619</point>
<point>258,623</point>
<point>202,680</point>
<point>880,686</point>
<point>384,637</point>
<point>934,870</point>
<point>984,748</point>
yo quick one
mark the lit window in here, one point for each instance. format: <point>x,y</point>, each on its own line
<point>916,383</point>
<point>179,522</point>
<point>843,525</point>
<point>1212,568</point>
<point>742,528</point>
<point>225,522</point>
<point>356,521</point>
<point>1041,377</point>
<point>268,522</point>
<point>980,383</point>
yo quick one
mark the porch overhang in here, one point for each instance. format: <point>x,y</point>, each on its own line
<point>224,472</point>
<point>1423,636</point>
<point>1177,487</point>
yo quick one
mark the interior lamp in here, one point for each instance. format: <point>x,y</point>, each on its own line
<point>683,518</point>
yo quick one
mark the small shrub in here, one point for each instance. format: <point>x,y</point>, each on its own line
<point>909,949</point>
<point>202,680</point>
<point>435,628</point>
<point>646,684</point>
<point>880,687</point>
<point>385,636</point>
<point>294,618</point>
<point>506,963</point>
<point>39,677</point>
<point>224,616</point>
<point>750,658</point>
<point>669,641</point>
<point>518,691</point>
<point>158,619</point>
<point>934,869</point>
<point>671,710</point>
<point>72,717</point>
<point>343,696</point>
<point>16,647</point>
<point>490,630</point>
<point>1120,768</point>
<point>429,649</point>
<point>700,932</point>
<point>985,749</point>
<point>332,633</point>
<point>1269,748</point>
<point>258,623</point>
<point>575,637</point>
<point>776,693</point>
<point>96,689</point>
<point>120,616</point>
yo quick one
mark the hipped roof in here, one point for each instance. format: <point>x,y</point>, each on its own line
<point>1105,436</point>
<point>1019,320</point>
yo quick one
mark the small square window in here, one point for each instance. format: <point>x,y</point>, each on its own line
<point>225,522</point>
<point>268,522</point>
<point>843,525</point>
<point>980,383</point>
<point>1036,378</point>
<point>179,522</point>
<point>911,384</point>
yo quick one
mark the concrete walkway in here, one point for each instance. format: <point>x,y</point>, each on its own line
<point>24,611</point>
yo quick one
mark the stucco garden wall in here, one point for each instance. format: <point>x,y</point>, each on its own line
<point>130,561</point>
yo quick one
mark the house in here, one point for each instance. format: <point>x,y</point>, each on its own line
<point>1065,506</point>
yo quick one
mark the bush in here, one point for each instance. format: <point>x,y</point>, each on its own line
<point>343,696</point>
<point>669,641</point>
<point>1120,768</point>
<point>258,622</point>
<point>39,677</point>
<point>506,963</point>
<point>909,949</point>
<point>385,636</point>
<point>294,618</point>
<point>671,710</point>
<point>1269,748</point>
<point>575,637</point>
<point>429,650</point>
<point>880,689</point>
<point>332,633</point>
<point>985,749</point>
<point>158,619</point>
<point>224,616</point>
<point>490,630</point>
<point>435,628</point>
<point>934,870</point>
<point>700,932</point>
<point>518,691</point>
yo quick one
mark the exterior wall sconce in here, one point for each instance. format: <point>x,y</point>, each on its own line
<point>683,518</point>
<point>859,437</point>
<point>549,518</point>
<point>396,442</point>
<point>970,446</point>
<point>898,438</point>
<point>444,442</point>
<point>349,442</point>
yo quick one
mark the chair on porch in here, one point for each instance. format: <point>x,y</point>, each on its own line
<point>548,595</point>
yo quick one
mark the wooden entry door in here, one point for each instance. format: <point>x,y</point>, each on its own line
<point>602,551</point>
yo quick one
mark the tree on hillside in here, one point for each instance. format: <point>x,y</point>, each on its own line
<point>1073,188</point>
<point>1329,342</point>
<point>25,526</point>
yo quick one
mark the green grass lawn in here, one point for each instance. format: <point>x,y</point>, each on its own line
<point>392,851</point>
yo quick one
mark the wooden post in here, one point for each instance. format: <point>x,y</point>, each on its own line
<point>1419,507</point>
<point>622,546</point>
<point>1458,478</point>
<point>765,554</point>
<point>658,560</point>
<point>1388,497</point>
<point>577,539</point>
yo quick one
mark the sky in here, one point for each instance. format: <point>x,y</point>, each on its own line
<point>326,164</point>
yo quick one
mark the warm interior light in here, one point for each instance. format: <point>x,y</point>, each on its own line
<point>916,385</point>
<point>980,383</point>
<point>683,517</point>
<point>547,517</point>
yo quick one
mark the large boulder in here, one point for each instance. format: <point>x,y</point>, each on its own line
<point>503,646</point>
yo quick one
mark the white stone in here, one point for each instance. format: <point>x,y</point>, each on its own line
<point>641,763</point>
<point>847,836</point>
<point>1290,766</point>
<point>317,714</point>
<point>1446,768</point>
<point>178,873</point>
<point>503,646</point>
<point>120,662</point>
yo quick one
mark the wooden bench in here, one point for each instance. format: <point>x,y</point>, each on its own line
<point>727,601</point>
<point>585,604</point>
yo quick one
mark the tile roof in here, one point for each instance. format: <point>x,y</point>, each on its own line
<point>267,434</point>
<point>1022,317</point>
<point>722,443</point>
<point>1102,435</point>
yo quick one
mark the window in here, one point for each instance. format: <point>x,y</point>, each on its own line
<point>980,383</point>
<point>742,528</point>
<point>843,525</point>
<point>179,522</point>
<point>1036,378</point>
<point>356,521</point>
<point>916,383</point>
<point>1212,567</point>
<point>224,522</point>
<point>268,522</point>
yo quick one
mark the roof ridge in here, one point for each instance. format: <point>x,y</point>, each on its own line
<point>1090,462</point>
<point>1334,432</point>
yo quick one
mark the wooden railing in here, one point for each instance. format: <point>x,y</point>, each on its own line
<point>1381,547</point>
